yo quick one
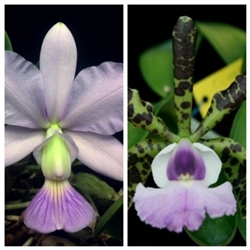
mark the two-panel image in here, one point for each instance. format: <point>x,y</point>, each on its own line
<point>125,125</point>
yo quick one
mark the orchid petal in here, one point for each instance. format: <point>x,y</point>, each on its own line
<point>58,206</point>
<point>96,101</point>
<point>177,205</point>
<point>103,154</point>
<point>58,64</point>
<point>20,142</point>
<point>24,93</point>
<point>160,163</point>
<point>212,162</point>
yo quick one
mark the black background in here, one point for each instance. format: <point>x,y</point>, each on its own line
<point>150,25</point>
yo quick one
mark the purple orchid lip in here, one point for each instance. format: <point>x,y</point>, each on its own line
<point>58,206</point>
<point>185,161</point>
<point>184,172</point>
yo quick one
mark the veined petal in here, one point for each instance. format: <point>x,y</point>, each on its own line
<point>103,154</point>
<point>58,206</point>
<point>24,93</point>
<point>58,167</point>
<point>20,141</point>
<point>177,206</point>
<point>96,101</point>
<point>58,64</point>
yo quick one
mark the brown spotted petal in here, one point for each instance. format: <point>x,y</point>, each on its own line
<point>184,41</point>
<point>223,103</point>
<point>140,158</point>
<point>141,114</point>
<point>233,157</point>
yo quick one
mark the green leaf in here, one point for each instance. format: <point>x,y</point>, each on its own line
<point>107,217</point>
<point>101,193</point>
<point>240,124</point>
<point>215,232</point>
<point>8,45</point>
<point>137,134</point>
<point>241,224</point>
<point>228,41</point>
<point>115,226</point>
<point>157,68</point>
<point>140,158</point>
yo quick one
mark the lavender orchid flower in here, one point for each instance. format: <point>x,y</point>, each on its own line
<point>184,171</point>
<point>61,118</point>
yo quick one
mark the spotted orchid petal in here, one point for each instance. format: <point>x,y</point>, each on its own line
<point>203,155</point>
<point>19,142</point>
<point>58,206</point>
<point>96,100</point>
<point>24,93</point>
<point>103,154</point>
<point>58,64</point>
<point>178,206</point>
<point>184,41</point>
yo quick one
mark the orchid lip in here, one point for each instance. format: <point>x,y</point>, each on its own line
<point>185,163</point>
<point>58,206</point>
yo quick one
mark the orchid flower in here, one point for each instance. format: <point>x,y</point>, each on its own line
<point>60,117</point>
<point>184,165</point>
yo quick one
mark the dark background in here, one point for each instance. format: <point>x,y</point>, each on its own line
<point>97,30</point>
<point>150,25</point>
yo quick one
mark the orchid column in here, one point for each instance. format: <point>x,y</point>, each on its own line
<point>60,118</point>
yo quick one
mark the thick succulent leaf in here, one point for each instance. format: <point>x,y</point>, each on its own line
<point>157,68</point>
<point>233,157</point>
<point>223,103</point>
<point>240,124</point>
<point>184,41</point>
<point>140,158</point>
<point>137,134</point>
<point>228,41</point>
<point>141,114</point>
<point>8,45</point>
<point>215,232</point>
